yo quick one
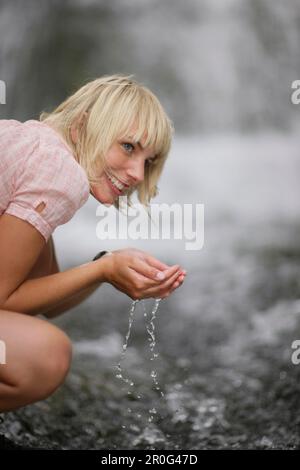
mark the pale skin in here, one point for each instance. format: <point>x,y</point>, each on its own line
<point>38,354</point>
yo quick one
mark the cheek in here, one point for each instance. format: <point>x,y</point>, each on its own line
<point>115,159</point>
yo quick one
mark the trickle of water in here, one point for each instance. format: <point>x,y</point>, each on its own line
<point>151,331</point>
<point>120,376</point>
<point>131,317</point>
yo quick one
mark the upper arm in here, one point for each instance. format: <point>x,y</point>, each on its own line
<point>20,246</point>
<point>48,176</point>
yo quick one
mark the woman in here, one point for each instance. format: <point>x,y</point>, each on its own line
<point>110,138</point>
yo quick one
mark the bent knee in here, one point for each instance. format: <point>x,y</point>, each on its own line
<point>59,349</point>
<point>48,364</point>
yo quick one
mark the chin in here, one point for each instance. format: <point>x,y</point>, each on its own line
<point>102,196</point>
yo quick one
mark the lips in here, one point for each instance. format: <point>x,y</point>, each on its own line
<point>113,188</point>
<point>117,181</point>
<point>122,182</point>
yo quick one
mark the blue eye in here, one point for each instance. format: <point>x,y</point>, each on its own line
<point>128,147</point>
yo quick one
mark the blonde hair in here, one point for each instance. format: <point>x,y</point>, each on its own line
<point>114,103</point>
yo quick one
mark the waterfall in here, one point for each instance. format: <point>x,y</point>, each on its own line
<point>216,66</point>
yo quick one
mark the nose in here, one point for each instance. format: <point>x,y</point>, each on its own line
<point>136,172</point>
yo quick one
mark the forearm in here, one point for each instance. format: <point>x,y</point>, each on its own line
<point>72,302</point>
<point>38,296</point>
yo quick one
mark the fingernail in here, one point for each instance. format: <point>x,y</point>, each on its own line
<point>160,275</point>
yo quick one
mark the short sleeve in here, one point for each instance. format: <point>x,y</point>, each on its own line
<point>51,175</point>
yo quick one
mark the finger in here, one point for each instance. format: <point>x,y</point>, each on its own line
<point>174,270</point>
<point>147,271</point>
<point>159,265</point>
<point>156,263</point>
<point>177,283</point>
<point>180,275</point>
<point>174,283</point>
<point>168,283</point>
<point>154,291</point>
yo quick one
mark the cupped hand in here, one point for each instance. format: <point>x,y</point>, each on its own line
<point>139,275</point>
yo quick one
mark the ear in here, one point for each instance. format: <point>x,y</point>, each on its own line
<point>75,127</point>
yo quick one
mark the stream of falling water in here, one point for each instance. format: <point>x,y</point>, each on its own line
<point>150,327</point>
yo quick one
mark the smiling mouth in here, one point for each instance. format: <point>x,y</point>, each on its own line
<point>116,183</point>
<point>113,187</point>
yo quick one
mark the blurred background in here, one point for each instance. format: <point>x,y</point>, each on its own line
<point>223,71</point>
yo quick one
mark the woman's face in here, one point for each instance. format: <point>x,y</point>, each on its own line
<point>126,160</point>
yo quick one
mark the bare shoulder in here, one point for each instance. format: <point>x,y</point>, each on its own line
<point>20,246</point>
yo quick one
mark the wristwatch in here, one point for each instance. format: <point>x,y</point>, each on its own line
<point>101,253</point>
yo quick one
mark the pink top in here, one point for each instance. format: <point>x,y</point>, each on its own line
<point>36,165</point>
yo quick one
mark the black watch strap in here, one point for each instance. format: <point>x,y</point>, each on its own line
<point>101,253</point>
